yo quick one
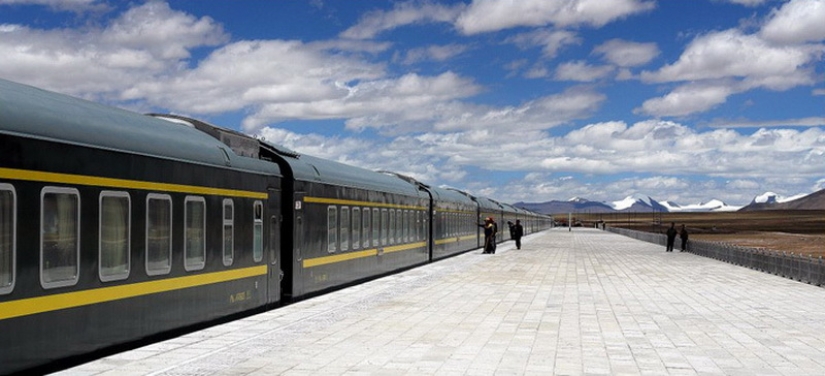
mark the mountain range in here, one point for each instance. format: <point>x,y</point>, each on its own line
<point>643,203</point>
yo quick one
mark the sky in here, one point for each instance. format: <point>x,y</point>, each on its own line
<point>517,100</point>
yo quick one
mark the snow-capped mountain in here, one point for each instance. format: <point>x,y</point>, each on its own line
<point>773,198</point>
<point>632,203</point>
<point>638,202</point>
<point>712,205</point>
<point>773,201</point>
<point>643,203</point>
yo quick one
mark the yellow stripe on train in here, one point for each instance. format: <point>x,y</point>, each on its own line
<point>31,306</point>
<point>325,260</point>
<point>455,239</point>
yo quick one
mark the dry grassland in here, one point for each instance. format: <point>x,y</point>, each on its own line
<point>796,231</point>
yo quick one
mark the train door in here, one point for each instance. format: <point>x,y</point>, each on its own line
<point>274,245</point>
<point>299,217</point>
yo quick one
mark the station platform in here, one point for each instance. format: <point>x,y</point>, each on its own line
<point>580,302</point>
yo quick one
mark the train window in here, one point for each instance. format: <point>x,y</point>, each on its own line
<point>406,226</point>
<point>385,215</point>
<point>344,228</point>
<point>115,236</point>
<point>194,233</point>
<point>451,224</point>
<point>417,229</point>
<point>399,226</point>
<point>228,231</point>
<point>367,230</point>
<point>443,225</point>
<point>376,227</point>
<point>392,227</point>
<point>8,237</point>
<point>158,234</point>
<point>356,228</point>
<point>447,225</point>
<point>258,231</point>
<point>417,215</point>
<point>411,225</point>
<point>59,237</point>
<point>332,228</point>
<point>424,225</point>
<point>417,225</point>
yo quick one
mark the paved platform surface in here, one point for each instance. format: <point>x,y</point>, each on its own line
<point>581,302</point>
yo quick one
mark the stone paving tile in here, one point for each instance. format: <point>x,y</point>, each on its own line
<point>581,302</point>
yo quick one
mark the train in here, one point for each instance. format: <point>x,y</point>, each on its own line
<point>117,227</point>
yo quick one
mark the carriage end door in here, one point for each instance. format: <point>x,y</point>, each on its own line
<point>273,224</point>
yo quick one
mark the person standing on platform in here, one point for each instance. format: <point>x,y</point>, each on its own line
<point>489,240</point>
<point>493,242</point>
<point>684,235</point>
<point>671,237</point>
<point>517,231</point>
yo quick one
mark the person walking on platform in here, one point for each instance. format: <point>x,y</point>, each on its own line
<point>493,242</point>
<point>684,235</point>
<point>489,237</point>
<point>517,231</point>
<point>671,237</point>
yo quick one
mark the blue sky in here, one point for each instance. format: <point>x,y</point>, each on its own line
<point>529,100</point>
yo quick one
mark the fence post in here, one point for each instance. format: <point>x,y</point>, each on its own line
<point>810,269</point>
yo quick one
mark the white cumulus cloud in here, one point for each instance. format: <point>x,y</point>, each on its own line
<point>492,15</point>
<point>797,21</point>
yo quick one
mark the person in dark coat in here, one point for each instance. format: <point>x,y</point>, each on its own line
<point>517,231</point>
<point>671,237</point>
<point>684,235</point>
<point>489,236</point>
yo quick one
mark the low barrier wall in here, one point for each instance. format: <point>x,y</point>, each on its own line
<point>789,265</point>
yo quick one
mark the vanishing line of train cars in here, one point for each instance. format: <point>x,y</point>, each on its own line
<point>117,226</point>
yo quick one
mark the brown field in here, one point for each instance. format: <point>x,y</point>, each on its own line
<point>797,231</point>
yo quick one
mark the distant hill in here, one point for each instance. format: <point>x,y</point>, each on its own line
<point>575,205</point>
<point>813,201</point>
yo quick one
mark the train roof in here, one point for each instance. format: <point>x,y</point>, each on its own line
<point>509,208</point>
<point>313,169</point>
<point>488,204</point>
<point>453,195</point>
<point>300,167</point>
<point>37,113</point>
